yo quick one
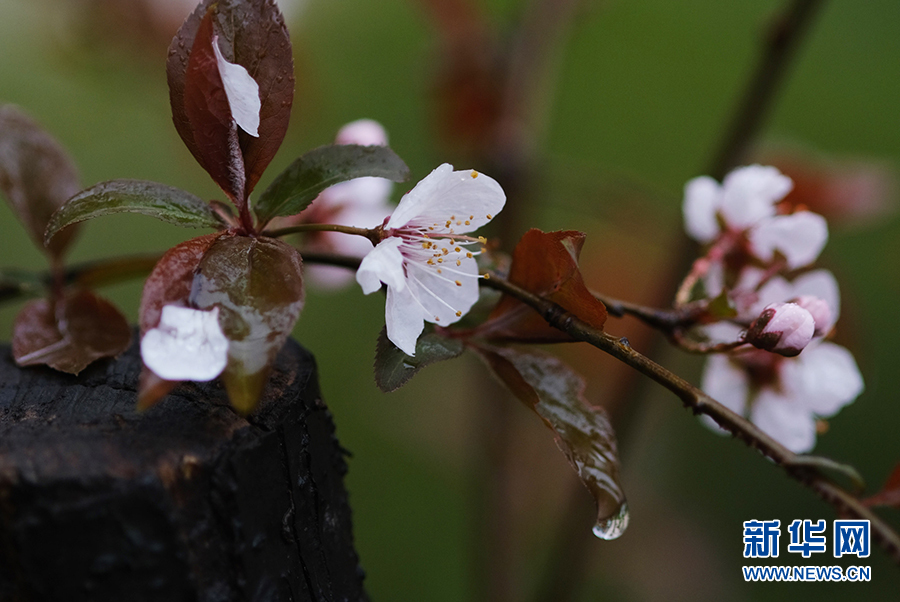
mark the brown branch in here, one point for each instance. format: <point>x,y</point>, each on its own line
<point>780,47</point>
<point>797,467</point>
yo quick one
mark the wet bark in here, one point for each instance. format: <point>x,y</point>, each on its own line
<point>186,501</point>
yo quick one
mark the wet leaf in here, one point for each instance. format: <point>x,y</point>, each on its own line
<point>171,280</point>
<point>546,264</point>
<point>36,175</point>
<point>583,432</point>
<point>257,285</point>
<point>393,368</point>
<point>213,130</point>
<point>889,494</point>
<point>299,185</point>
<point>163,202</point>
<point>251,34</point>
<point>80,329</point>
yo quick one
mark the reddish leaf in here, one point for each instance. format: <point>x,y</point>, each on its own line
<point>546,264</point>
<point>215,134</point>
<point>257,285</point>
<point>583,432</point>
<point>170,281</point>
<point>889,494</point>
<point>251,34</point>
<point>80,329</point>
<point>36,175</point>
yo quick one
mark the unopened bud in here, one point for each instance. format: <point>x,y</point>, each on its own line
<point>782,328</point>
<point>819,309</point>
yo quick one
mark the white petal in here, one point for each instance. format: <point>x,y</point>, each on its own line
<point>443,295</point>
<point>726,382</point>
<point>721,332</point>
<point>701,202</point>
<point>455,196</point>
<point>242,92</point>
<point>776,290</point>
<point>825,376</point>
<point>365,132</point>
<point>785,420</point>
<point>188,344</point>
<point>800,237</point>
<point>358,192</point>
<point>750,193</point>
<point>821,284</point>
<point>403,318</point>
<point>384,263</point>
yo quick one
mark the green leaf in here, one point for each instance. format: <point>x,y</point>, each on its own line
<point>167,203</point>
<point>393,368</point>
<point>257,285</point>
<point>583,432</point>
<point>163,202</point>
<point>299,185</point>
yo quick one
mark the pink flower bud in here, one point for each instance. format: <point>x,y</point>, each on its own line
<point>783,328</point>
<point>819,309</point>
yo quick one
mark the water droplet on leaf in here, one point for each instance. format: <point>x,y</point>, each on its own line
<point>614,526</point>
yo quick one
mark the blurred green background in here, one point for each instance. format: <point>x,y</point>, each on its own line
<point>642,94</point>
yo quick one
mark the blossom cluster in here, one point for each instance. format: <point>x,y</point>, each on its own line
<point>774,313</point>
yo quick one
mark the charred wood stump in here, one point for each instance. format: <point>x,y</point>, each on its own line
<point>186,501</point>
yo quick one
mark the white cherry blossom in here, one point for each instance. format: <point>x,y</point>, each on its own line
<point>785,396</point>
<point>188,344</point>
<point>745,204</point>
<point>426,258</point>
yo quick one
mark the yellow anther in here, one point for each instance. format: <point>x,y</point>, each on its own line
<point>440,260</point>
<point>482,240</point>
<point>489,216</point>
<point>471,217</point>
<point>458,262</point>
<point>430,261</point>
<point>440,271</point>
<point>484,249</point>
<point>474,174</point>
<point>459,223</point>
<point>468,223</point>
<point>430,228</point>
<point>487,276</point>
<point>426,245</point>
<point>458,314</point>
<point>469,255</point>
<point>447,225</point>
<point>457,249</point>
<point>445,251</point>
<point>458,283</point>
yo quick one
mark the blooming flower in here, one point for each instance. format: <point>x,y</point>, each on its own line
<point>745,205</point>
<point>784,396</point>
<point>188,344</point>
<point>425,258</point>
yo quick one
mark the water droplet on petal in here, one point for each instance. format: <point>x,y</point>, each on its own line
<point>614,526</point>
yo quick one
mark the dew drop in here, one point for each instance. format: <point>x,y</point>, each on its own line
<point>614,526</point>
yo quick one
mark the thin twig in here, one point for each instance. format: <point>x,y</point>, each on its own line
<point>699,402</point>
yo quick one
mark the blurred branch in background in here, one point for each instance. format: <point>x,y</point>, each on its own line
<point>780,44</point>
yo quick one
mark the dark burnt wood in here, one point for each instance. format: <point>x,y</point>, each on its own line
<point>187,501</point>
